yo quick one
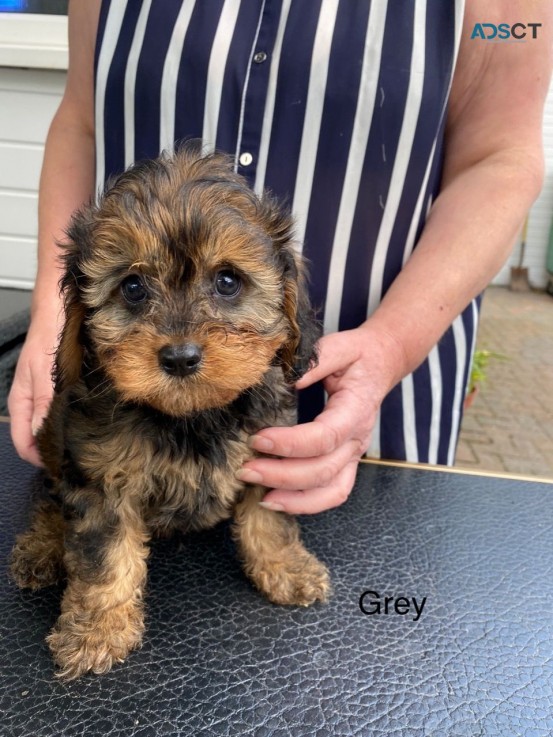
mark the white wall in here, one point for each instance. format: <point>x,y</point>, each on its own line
<point>31,97</point>
<point>28,99</point>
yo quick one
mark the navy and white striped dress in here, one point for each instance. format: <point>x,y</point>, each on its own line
<point>337,107</point>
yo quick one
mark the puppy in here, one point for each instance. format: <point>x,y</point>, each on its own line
<point>187,323</point>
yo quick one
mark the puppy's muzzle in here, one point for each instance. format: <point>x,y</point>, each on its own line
<point>180,360</point>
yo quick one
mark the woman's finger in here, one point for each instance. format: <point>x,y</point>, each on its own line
<point>299,473</point>
<point>312,501</point>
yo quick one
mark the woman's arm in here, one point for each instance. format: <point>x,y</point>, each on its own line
<point>493,172</point>
<point>67,181</point>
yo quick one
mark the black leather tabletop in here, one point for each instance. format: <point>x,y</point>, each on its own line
<point>218,659</point>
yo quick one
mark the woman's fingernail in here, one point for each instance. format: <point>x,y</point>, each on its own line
<point>36,424</point>
<point>249,476</point>
<point>273,506</point>
<point>258,442</point>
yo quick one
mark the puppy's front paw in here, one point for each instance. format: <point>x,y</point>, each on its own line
<point>84,641</point>
<point>36,562</point>
<point>295,577</point>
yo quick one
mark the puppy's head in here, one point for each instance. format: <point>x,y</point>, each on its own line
<point>184,286</point>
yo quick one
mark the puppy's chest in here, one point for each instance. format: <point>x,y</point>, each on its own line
<point>190,491</point>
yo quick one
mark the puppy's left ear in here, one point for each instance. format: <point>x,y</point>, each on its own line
<point>299,353</point>
<point>70,352</point>
<point>69,356</point>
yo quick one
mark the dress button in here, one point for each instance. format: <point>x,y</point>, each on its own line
<point>260,57</point>
<point>245,159</point>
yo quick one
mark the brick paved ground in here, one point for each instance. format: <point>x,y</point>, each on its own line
<point>509,427</point>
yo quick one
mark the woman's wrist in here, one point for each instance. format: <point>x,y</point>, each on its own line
<point>46,319</point>
<point>386,351</point>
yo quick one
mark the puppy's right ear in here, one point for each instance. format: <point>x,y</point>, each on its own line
<point>70,352</point>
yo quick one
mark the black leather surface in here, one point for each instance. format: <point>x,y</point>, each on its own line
<point>13,329</point>
<point>218,659</point>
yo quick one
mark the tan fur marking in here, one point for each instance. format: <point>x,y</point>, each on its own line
<point>274,556</point>
<point>37,558</point>
<point>232,362</point>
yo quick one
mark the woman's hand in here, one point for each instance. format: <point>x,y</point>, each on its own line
<point>32,389</point>
<point>319,459</point>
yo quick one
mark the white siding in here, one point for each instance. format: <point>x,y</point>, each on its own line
<point>33,40</point>
<point>28,101</point>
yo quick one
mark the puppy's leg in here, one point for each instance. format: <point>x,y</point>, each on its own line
<point>102,614</point>
<point>37,557</point>
<point>274,556</point>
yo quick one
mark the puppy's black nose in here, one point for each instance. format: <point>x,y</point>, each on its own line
<point>180,360</point>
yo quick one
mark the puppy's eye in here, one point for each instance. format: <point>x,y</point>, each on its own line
<point>227,283</point>
<point>133,289</point>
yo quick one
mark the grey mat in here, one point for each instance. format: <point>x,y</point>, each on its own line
<point>12,334</point>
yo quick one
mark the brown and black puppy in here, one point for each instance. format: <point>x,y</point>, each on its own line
<point>186,325</point>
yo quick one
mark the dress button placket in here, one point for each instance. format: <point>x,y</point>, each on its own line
<point>255,94</point>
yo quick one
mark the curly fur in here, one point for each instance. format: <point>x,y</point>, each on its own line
<point>134,450</point>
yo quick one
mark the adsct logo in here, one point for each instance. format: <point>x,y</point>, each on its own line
<point>504,32</point>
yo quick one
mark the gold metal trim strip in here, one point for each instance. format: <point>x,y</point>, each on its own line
<point>458,470</point>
